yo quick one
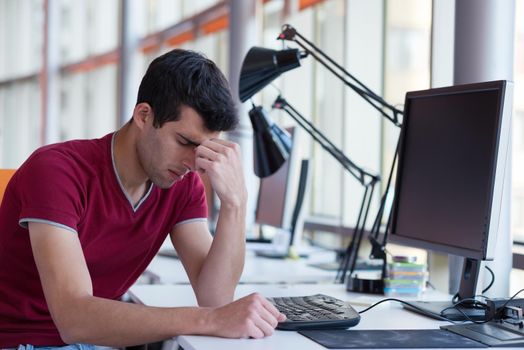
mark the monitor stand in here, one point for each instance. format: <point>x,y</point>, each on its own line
<point>464,311</point>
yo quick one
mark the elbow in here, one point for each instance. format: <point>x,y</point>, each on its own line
<point>68,321</point>
<point>67,336</point>
<point>71,332</point>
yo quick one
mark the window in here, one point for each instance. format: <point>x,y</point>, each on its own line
<point>517,200</point>
<point>20,61</point>
<point>87,28</point>
<point>19,122</point>
<point>406,68</point>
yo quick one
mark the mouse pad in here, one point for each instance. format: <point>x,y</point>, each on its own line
<point>389,338</point>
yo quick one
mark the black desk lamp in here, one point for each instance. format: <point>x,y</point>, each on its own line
<point>272,145</point>
<point>260,67</point>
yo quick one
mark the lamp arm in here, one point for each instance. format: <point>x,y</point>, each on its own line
<point>377,247</point>
<point>365,178</point>
<point>386,232</point>
<point>349,260</point>
<point>291,34</point>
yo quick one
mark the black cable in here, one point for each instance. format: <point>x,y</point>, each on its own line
<point>471,302</point>
<point>470,319</point>
<point>455,305</point>
<point>455,298</point>
<point>431,285</point>
<point>493,316</point>
<point>424,312</point>
<point>492,279</point>
<point>507,301</point>
<point>468,301</point>
<point>474,302</point>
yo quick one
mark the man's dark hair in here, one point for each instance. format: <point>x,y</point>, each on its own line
<point>182,77</point>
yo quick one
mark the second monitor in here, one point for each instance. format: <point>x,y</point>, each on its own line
<point>279,203</point>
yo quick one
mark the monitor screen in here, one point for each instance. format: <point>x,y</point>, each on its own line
<point>276,192</point>
<point>445,196</point>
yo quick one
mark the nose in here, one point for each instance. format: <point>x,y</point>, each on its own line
<point>189,160</point>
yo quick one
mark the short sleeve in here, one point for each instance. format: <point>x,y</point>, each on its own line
<point>196,207</point>
<point>50,190</point>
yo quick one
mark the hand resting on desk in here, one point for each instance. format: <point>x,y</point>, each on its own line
<point>252,316</point>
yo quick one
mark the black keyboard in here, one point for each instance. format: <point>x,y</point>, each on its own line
<point>317,311</point>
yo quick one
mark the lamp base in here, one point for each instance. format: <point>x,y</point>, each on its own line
<point>365,285</point>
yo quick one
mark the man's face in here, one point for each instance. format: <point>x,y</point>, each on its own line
<point>168,153</point>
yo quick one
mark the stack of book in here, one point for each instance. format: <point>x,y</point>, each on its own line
<point>405,279</point>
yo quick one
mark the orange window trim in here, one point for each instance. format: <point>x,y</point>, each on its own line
<point>150,44</point>
<point>180,38</point>
<point>307,3</point>
<point>112,57</point>
<point>215,24</point>
<point>93,62</point>
<point>150,47</point>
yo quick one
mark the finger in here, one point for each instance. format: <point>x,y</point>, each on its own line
<point>226,143</point>
<point>203,164</point>
<point>266,328</point>
<point>255,332</point>
<point>214,145</point>
<point>270,307</point>
<point>219,145</point>
<point>205,152</point>
<point>268,317</point>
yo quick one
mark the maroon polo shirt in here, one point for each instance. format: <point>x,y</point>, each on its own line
<point>74,185</point>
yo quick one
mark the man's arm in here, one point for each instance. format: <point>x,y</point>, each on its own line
<point>211,264</point>
<point>83,318</point>
<point>214,265</point>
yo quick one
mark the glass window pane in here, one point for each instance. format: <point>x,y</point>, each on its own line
<point>21,37</point>
<point>192,7</point>
<point>517,204</point>
<point>407,60</point>
<point>87,28</point>
<point>329,113</point>
<point>88,107</point>
<point>20,122</point>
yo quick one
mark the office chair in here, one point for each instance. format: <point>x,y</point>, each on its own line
<point>5,176</point>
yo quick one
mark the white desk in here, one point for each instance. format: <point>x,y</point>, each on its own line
<point>384,316</point>
<point>256,270</point>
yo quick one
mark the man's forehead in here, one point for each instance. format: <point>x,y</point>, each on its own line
<point>191,126</point>
<point>197,138</point>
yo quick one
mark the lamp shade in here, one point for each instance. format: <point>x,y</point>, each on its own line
<point>272,145</point>
<point>261,66</point>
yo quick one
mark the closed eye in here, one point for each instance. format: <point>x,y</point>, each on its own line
<point>186,142</point>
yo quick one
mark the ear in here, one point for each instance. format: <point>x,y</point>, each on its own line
<point>143,114</point>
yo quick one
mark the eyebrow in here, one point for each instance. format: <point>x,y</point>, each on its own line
<point>191,142</point>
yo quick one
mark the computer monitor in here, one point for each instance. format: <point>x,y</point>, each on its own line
<point>274,203</point>
<point>279,203</point>
<point>452,163</point>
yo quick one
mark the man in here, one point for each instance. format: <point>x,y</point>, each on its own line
<point>81,220</point>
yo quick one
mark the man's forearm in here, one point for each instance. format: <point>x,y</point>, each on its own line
<point>225,261</point>
<point>99,321</point>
